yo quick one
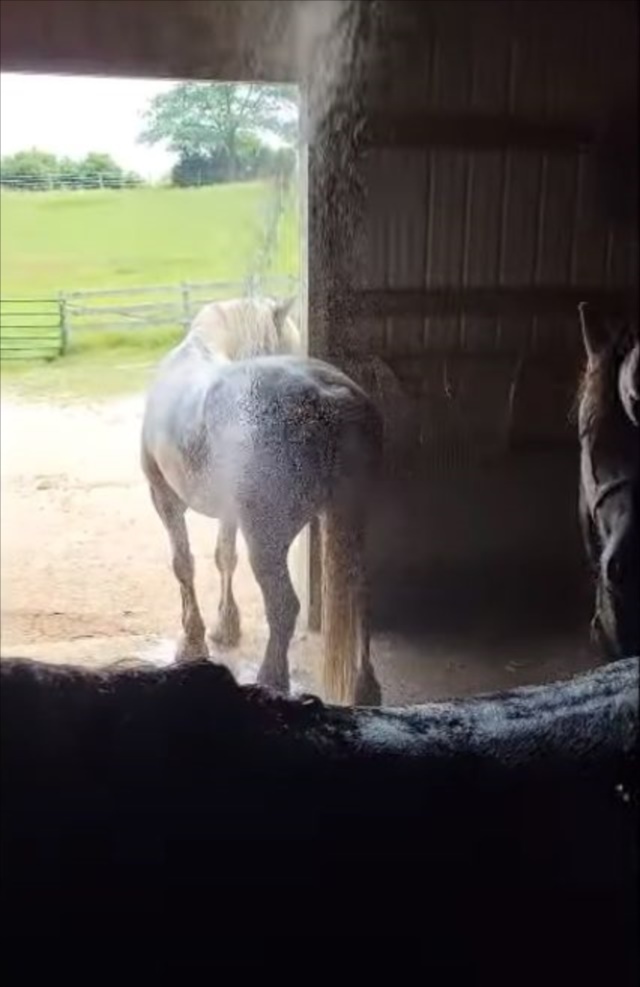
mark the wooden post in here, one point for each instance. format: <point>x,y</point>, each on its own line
<point>308,544</point>
<point>317,276</point>
<point>64,324</point>
<point>186,305</point>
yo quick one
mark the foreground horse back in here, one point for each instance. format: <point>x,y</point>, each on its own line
<point>265,444</point>
<point>176,797</point>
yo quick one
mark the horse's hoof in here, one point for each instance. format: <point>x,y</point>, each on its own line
<point>226,633</point>
<point>187,650</point>
<point>273,681</point>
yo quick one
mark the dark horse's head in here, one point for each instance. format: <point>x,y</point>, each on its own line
<point>608,415</point>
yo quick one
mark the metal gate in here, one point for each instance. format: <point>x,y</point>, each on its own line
<point>32,328</point>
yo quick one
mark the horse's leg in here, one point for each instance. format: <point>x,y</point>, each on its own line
<point>227,631</point>
<point>268,559</point>
<point>367,690</point>
<point>588,530</point>
<point>171,511</point>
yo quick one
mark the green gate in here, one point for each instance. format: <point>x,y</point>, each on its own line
<point>32,328</point>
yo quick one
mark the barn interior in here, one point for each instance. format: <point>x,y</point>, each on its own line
<point>471,173</point>
<point>498,182</point>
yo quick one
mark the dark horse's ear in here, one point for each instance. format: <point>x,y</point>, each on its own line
<point>595,334</point>
<point>281,311</point>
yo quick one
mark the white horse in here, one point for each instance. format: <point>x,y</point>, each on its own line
<point>238,429</point>
<point>246,327</point>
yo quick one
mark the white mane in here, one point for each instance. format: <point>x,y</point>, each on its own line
<point>242,328</point>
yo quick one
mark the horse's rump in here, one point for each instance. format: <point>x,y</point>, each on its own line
<point>293,419</point>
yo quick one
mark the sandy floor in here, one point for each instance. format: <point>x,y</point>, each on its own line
<point>85,563</point>
<point>85,569</point>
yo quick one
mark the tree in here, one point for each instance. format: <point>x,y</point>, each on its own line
<point>101,171</point>
<point>29,169</point>
<point>40,170</point>
<point>198,169</point>
<point>220,121</point>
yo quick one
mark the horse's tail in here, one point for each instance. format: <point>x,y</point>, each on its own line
<point>345,618</point>
<point>342,540</point>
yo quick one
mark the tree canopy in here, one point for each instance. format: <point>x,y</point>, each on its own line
<point>220,129</point>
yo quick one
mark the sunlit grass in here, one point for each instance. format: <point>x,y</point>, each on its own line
<point>102,240</point>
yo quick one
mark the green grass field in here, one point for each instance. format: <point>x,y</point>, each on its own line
<point>61,241</point>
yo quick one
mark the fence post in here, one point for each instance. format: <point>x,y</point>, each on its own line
<point>186,305</point>
<point>253,286</point>
<point>64,324</point>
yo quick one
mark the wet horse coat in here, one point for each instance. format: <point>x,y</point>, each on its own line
<point>265,443</point>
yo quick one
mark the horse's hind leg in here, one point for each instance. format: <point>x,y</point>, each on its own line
<point>171,511</point>
<point>227,631</point>
<point>367,690</point>
<point>268,557</point>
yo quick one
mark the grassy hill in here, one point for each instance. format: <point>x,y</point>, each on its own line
<point>111,239</point>
<point>65,241</point>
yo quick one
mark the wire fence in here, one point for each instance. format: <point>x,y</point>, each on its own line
<point>42,328</point>
<point>158,306</point>
<point>69,182</point>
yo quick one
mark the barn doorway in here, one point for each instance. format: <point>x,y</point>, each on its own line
<point>481,232</point>
<point>127,205</point>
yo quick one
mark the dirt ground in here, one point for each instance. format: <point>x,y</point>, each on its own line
<point>84,558</point>
<point>85,570</point>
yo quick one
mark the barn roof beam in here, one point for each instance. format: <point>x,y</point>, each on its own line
<point>479,131</point>
<point>493,302</point>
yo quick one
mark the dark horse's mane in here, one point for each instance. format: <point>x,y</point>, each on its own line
<point>597,395</point>
<point>170,827</point>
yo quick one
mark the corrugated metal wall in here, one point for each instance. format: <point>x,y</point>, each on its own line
<point>489,212</point>
<point>454,215</point>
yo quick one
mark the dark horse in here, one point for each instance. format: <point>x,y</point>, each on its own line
<point>170,827</point>
<point>608,419</point>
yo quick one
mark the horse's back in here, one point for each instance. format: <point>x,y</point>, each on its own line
<point>275,429</point>
<point>303,415</point>
<point>310,429</point>
<point>294,398</point>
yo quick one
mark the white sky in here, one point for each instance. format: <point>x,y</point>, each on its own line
<point>71,116</point>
